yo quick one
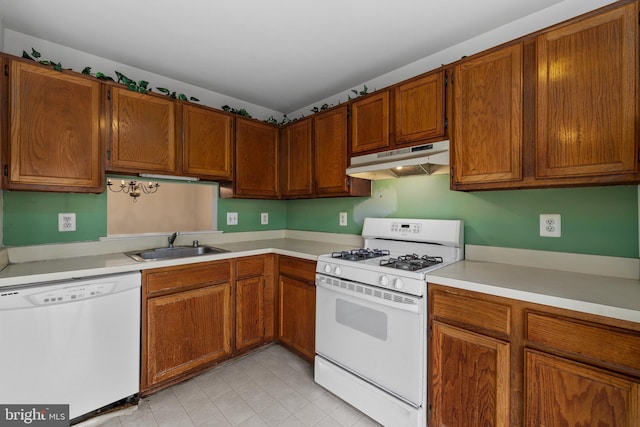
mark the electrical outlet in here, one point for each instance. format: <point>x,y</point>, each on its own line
<point>343,219</point>
<point>66,222</point>
<point>232,218</point>
<point>264,218</point>
<point>550,225</point>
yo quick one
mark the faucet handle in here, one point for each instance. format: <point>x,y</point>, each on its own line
<point>195,243</point>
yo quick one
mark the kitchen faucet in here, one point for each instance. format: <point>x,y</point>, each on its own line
<point>172,238</point>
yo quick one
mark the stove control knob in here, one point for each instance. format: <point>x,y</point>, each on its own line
<point>398,284</point>
<point>337,271</point>
<point>384,280</point>
<point>327,268</point>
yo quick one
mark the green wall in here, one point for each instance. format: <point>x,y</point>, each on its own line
<point>595,220</point>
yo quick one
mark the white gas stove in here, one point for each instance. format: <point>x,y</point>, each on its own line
<point>398,253</point>
<point>371,316</point>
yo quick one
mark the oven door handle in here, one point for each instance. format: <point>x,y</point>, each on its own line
<point>371,294</point>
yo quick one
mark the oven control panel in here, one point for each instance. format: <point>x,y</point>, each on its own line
<point>405,228</point>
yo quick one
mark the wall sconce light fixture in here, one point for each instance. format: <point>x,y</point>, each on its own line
<point>133,188</point>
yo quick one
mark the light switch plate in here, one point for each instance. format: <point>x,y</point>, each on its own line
<point>66,222</point>
<point>232,218</point>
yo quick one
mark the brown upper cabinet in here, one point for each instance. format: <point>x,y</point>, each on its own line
<point>296,164</point>
<point>54,142</point>
<point>420,109</point>
<point>370,123</point>
<point>256,156</point>
<point>488,117</point>
<point>331,157</point>
<point>587,99</point>
<point>557,108</point>
<point>207,143</point>
<point>155,134</point>
<point>143,132</point>
<point>314,158</point>
<point>409,113</point>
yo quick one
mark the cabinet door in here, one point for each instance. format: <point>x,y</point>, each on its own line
<point>55,140</point>
<point>470,378</point>
<point>297,159</point>
<point>487,145</point>
<point>587,96</point>
<point>331,151</point>
<point>186,330</point>
<point>419,109</point>
<point>249,312</point>
<point>207,143</point>
<point>143,133</point>
<point>370,123</point>
<point>256,159</point>
<point>297,324</point>
<point>562,392</point>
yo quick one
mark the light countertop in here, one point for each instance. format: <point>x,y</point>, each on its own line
<point>97,265</point>
<point>590,293</point>
<point>606,296</point>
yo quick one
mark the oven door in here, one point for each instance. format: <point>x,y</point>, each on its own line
<point>377,334</point>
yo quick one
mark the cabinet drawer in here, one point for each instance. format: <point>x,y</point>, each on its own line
<point>302,269</point>
<point>610,346</point>
<point>486,315</point>
<point>163,280</point>
<point>250,267</point>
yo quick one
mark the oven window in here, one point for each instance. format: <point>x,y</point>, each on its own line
<point>364,319</point>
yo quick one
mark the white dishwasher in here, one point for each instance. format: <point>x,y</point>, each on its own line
<point>75,342</point>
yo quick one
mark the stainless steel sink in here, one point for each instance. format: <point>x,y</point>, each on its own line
<point>174,252</point>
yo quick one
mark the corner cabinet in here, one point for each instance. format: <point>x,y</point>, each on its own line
<point>331,157</point>
<point>487,113</point>
<point>55,140</point>
<point>256,157</point>
<point>296,159</point>
<point>187,321</point>
<point>254,301</point>
<point>143,132</point>
<point>498,361</point>
<point>314,158</point>
<point>297,305</point>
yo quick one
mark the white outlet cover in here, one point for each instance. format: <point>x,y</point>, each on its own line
<point>66,222</point>
<point>550,225</point>
<point>343,219</point>
<point>264,218</point>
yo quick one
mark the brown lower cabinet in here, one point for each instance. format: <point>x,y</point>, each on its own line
<point>502,362</point>
<point>197,315</point>
<point>297,305</point>
<point>187,321</point>
<point>254,301</point>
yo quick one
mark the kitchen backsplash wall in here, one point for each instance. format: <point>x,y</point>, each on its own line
<point>595,220</point>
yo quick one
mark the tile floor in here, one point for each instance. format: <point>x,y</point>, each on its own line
<point>269,387</point>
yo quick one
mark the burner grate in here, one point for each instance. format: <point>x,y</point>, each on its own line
<point>360,254</point>
<point>411,262</point>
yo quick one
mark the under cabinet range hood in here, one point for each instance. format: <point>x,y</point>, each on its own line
<point>426,159</point>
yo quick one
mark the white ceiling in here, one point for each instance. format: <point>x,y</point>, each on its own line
<point>282,55</point>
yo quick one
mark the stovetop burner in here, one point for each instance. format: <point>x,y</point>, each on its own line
<point>411,262</point>
<point>360,254</point>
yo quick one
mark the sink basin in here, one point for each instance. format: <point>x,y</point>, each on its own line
<point>174,252</point>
